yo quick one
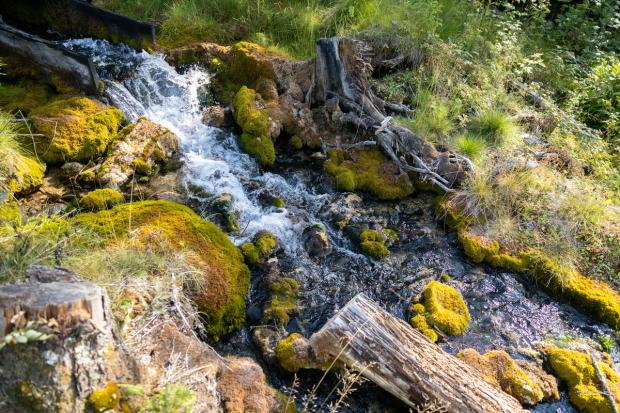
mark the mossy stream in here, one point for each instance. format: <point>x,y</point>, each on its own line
<point>507,311</point>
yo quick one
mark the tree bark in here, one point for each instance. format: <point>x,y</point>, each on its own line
<point>404,362</point>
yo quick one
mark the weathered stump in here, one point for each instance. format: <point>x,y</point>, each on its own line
<point>402,361</point>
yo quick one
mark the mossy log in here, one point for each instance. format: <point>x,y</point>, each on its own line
<point>58,66</point>
<point>342,76</point>
<point>404,362</point>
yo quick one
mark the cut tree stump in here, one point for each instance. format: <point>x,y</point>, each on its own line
<point>404,362</point>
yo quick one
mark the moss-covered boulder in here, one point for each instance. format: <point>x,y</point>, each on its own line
<point>295,353</point>
<point>101,199</point>
<point>264,245</point>
<point>23,172</point>
<point>367,170</point>
<point>142,149</point>
<point>75,128</point>
<point>251,116</point>
<point>443,308</point>
<point>503,371</point>
<point>282,301</point>
<point>584,390</point>
<point>220,278</point>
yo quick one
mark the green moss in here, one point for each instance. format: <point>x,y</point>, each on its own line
<point>220,289</point>
<point>142,167</point>
<point>278,202</point>
<point>367,170</point>
<point>10,213</point>
<point>24,96</point>
<point>27,396</point>
<point>75,128</point>
<point>289,356</point>
<point>296,142</point>
<point>584,390</point>
<point>502,370</point>
<point>443,307</point>
<point>247,63</point>
<point>252,119</point>
<point>260,148</point>
<point>251,253</point>
<point>105,399</point>
<point>372,243</point>
<point>101,199</point>
<point>283,300</point>
<point>26,173</point>
<point>265,243</point>
<point>480,249</point>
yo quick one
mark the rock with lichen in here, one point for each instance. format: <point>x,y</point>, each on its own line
<point>142,150</point>
<point>316,241</point>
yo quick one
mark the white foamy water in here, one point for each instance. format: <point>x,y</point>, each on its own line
<point>212,159</point>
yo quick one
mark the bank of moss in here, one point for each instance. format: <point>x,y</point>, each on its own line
<point>367,170</point>
<point>75,128</point>
<point>443,308</point>
<point>584,390</point>
<point>101,199</point>
<point>222,279</point>
<point>24,172</point>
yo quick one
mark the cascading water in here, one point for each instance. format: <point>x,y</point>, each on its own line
<point>506,312</point>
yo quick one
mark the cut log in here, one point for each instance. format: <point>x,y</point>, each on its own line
<point>70,303</point>
<point>404,362</point>
<point>54,62</point>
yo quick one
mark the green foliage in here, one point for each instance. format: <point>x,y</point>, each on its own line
<point>471,146</point>
<point>26,334</point>
<point>494,126</point>
<point>100,199</point>
<point>173,398</point>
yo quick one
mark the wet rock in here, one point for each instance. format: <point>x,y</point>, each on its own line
<point>70,170</point>
<point>224,205</point>
<point>266,339</point>
<point>316,241</point>
<point>168,187</point>
<point>218,117</point>
<point>342,210</point>
<point>295,353</point>
<point>144,148</point>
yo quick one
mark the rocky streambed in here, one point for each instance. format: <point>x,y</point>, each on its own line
<point>318,229</point>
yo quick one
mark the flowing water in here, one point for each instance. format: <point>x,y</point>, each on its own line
<point>507,312</point>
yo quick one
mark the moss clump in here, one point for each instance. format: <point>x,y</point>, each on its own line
<point>291,353</point>
<point>283,300</point>
<point>100,199</point>
<point>503,371</point>
<point>372,244</point>
<point>367,170</point>
<point>10,213</point>
<point>75,128</point>
<point>142,167</point>
<point>296,142</point>
<point>278,202</point>
<point>251,253</point>
<point>265,243</point>
<point>105,399</point>
<point>247,63</point>
<point>26,173</point>
<point>219,292</point>
<point>443,308</point>
<point>254,121</point>
<point>584,390</point>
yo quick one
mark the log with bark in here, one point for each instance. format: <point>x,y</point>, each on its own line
<point>404,362</point>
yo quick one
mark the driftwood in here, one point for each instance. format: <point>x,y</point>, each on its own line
<point>54,62</point>
<point>342,78</point>
<point>404,362</point>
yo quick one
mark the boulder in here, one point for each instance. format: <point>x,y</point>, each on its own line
<point>316,241</point>
<point>218,117</point>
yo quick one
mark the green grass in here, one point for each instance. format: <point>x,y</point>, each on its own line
<point>471,146</point>
<point>495,127</point>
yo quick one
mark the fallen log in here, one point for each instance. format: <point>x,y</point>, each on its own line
<point>78,18</point>
<point>56,64</point>
<point>404,362</point>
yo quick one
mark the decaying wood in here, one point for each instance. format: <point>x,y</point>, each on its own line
<point>603,380</point>
<point>68,302</point>
<point>342,74</point>
<point>404,362</point>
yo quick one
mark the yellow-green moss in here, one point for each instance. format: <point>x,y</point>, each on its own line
<point>260,148</point>
<point>24,96</point>
<point>251,253</point>
<point>296,142</point>
<point>220,295</point>
<point>288,357</point>
<point>252,119</point>
<point>10,213</point>
<point>443,307</point>
<point>26,173</point>
<point>278,202</point>
<point>105,399</point>
<point>502,370</point>
<point>142,167</point>
<point>372,244</point>
<point>283,300</point>
<point>367,170</point>
<point>265,243</point>
<point>419,322</point>
<point>247,63</point>
<point>584,390</point>
<point>75,128</point>
<point>100,199</point>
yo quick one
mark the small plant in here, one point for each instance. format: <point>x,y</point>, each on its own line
<point>173,398</point>
<point>495,126</point>
<point>471,146</point>
<point>27,334</point>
